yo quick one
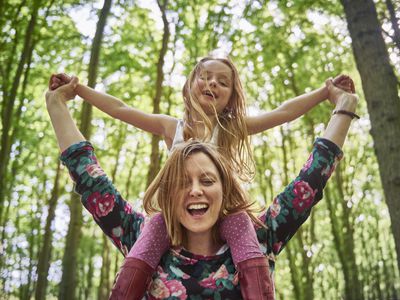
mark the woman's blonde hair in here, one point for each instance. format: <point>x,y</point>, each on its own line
<point>233,139</point>
<point>167,190</point>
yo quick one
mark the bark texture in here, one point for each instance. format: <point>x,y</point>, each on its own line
<point>380,87</point>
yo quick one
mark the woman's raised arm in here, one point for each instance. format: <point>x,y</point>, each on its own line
<point>110,211</point>
<point>66,131</point>
<point>344,112</point>
<point>291,208</point>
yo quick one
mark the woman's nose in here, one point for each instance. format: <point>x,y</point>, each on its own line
<point>195,191</point>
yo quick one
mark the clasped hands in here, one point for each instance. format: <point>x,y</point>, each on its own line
<point>61,88</point>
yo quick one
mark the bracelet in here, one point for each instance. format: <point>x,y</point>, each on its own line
<point>345,112</point>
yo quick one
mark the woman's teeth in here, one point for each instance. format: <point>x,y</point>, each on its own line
<point>197,209</point>
<point>198,206</point>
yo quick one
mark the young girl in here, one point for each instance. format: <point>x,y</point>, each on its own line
<point>214,111</point>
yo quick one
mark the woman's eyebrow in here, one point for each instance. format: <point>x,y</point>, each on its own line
<point>209,174</point>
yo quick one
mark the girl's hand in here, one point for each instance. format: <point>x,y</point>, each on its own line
<point>57,80</point>
<point>342,99</point>
<point>345,83</point>
<point>63,93</point>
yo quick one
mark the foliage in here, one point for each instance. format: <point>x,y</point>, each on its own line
<point>282,49</point>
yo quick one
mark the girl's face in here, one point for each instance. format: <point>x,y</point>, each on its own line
<point>203,194</point>
<point>213,86</point>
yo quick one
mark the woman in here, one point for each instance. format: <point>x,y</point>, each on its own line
<point>194,191</point>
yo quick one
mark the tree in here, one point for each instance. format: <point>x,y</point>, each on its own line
<point>380,87</point>
<point>10,96</point>
<point>155,149</point>
<point>69,276</point>
<point>45,252</point>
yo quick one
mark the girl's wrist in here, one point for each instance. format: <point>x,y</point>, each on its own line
<point>324,92</point>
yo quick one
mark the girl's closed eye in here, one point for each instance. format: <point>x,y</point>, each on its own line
<point>223,83</point>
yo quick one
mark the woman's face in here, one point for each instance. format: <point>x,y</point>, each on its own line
<point>202,199</point>
<point>213,86</point>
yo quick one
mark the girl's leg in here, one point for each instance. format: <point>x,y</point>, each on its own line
<point>253,267</point>
<point>134,277</point>
<point>152,242</point>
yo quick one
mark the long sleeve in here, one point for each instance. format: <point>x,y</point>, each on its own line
<point>291,208</point>
<point>111,212</point>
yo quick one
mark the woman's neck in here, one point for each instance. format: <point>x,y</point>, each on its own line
<point>202,244</point>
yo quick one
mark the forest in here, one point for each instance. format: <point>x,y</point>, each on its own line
<point>141,52</point>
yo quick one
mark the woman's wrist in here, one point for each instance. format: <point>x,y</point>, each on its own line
<point>54,99</point>
<point>347,102</point>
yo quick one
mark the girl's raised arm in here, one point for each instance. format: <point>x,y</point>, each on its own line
<point>154,123</point>
<point>295,108</point>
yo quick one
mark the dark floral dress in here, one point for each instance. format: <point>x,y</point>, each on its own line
<point>183,275</point>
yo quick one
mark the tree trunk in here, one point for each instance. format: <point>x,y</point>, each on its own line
<point>380,88</point>
<point>8,105</point>
<point>342,237</point>
<point>104,286</point>
<point>69,276</point>
<point>155,151</point>
<point>296,273</point>
<point>395,23</point>
<point>45,253</point>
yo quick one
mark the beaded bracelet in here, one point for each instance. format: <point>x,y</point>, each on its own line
<point>345,112</point>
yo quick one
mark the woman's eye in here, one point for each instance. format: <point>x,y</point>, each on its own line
<point>208,181</point>
<point>223,83</point>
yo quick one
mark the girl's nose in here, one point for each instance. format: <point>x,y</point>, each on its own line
<point>212,82</point>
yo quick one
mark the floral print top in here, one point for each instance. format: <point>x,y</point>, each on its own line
<point>180,274</point>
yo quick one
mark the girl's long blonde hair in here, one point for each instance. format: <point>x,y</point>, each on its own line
<point>233,139</point>
<point>167,190</point>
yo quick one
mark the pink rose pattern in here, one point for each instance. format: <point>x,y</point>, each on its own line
<point>304,196</point>
<point>216,277</point>
<point>211,281</point>
<point>100,205</point>
<point>162,287</point>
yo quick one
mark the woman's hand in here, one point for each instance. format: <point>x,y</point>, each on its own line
<point>63,92</point>
<point>66,131</point>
